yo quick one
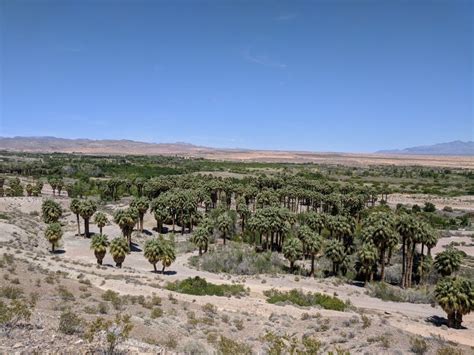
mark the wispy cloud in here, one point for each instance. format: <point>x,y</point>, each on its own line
<point>262,59</point>
<point>286,17</point>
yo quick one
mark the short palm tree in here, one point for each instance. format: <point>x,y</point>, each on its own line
<point>225,225</point>
<point>141,204</point>
<point>168,255</point>
<point>448,261</point>
<point>152,251</point>
<point>126,220</point>
<point>456,297</point>
<point>367,260</point>
<point>313,244</point>
<point>53,234</point>
<point>101,220</point>
<point>51,211</point>
<point>86,209</point>
<point>99,244</point>
<point>119,249</point>
<point>201,239</point>
<point>75,208</point>
<point>336,253</point>
<point>292,250</point>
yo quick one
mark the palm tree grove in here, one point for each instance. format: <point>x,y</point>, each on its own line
<point>266,177</point>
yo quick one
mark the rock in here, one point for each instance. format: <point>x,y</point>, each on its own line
<point>77,342</point>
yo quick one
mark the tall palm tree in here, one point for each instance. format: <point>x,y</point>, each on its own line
<point>292,250</point>
<point>168,254</point>
<point>335,251</point>
<point>201,239</point>
<point>405,225</point>
<point>99,244</point>
<point>367,256</point>
<point>53,234</point>
<point>448,261</point>
<point>141,204</point>
<point>243,211</point>
<point>313,243</point>
<point>86,209</point>
<point>75,208</point>
<point>153,251</point>
<point>119,249</point>
<point>126,219</point>
<point>225,225</point>
<point>101,220</point>
<point>456,297</point>
<point>51,211</point>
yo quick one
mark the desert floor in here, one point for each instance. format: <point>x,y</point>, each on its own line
<point>245,319</point>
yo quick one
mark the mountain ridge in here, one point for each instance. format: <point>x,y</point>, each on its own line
<point>456,148</point>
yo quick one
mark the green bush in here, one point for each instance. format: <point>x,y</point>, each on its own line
<point>300,298</point>
<point>70,323</point>
<point>388,292</point>
<point>200,287</point>
<point>239,260</point>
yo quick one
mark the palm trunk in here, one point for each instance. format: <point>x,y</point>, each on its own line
<point>100,230</point>
<point>78,225</point>
<point>403,262</point>
<point>86,227</point>
<point>382,264</point>
<point>312,266</point>
<point>154,267</point>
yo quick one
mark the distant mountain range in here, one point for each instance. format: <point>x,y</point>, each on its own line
<point>454,154</point>
<point>458,148</point>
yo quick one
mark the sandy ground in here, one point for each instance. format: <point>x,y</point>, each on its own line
<point>25,228</point>
<point>461,203</point>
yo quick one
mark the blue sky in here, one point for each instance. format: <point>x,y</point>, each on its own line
<point>343,75</point>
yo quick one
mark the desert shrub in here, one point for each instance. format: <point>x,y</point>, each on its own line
<point>449,350</point>
<point>193,347</point>
<point>116,331</point>
<point>200,287</point>
<point>300,298</point>
<point>156,312</point>
<point>11,292</point>
<point>114,298</point>
<point>227,346</point>
<point>418,345</point>
<point>11,315</point>
<point>65,294</point>
<point>239,260</point>
<point>70,323</point>
<point>366,322</point>
<point>388,292</point>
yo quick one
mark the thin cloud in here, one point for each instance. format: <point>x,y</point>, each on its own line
<point>263,60</point>
<point>286,17</point>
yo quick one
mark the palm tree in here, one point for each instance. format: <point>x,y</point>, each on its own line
<point>456,297</point>
<point>243,211</point>
<point>101,220</point>
<point>29,189</point>
<point>201,239</point>
<point>51,211</point>
<point>313,243</point>
<point>161,214</point>
<point>86,209</point>
<point>141,204</point>
<point>367,256</point>
<point>99,244</point>
<point>119,249</point>
<point>126,220</point>
<point>335,251</point>
<point>292,250</point>
<point>168,254</point>
<point>448,261</point>
<point>225,225</point>
<point>153,251</point>
<point>53,234</point>
<point>380,230</point>
<point>406,227</point>
<point>75,208</point>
